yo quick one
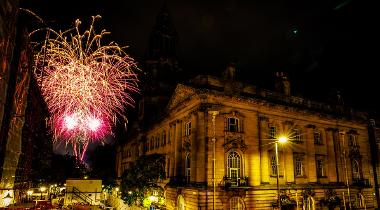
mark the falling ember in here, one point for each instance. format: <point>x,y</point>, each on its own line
<point>85,84</point>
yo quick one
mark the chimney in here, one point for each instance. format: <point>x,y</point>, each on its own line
<point>282,83</point>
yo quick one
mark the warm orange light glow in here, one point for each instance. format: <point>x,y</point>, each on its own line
<point>283,139</point>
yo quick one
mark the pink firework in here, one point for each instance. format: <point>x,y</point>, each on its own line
<point>85,84</point>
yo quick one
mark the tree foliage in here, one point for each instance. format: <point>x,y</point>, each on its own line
<point>140,180</point>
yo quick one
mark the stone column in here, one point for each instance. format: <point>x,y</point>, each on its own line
<point>330,163</point>
<point>310,154</point>
<point>201,150</point>
<point>338,156</point>
<point>288,164</point>
<point>178,148</point>
<point>194,153</point>
<point>253,152</point>
<point>264,140</point>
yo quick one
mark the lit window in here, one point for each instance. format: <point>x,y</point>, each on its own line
<point>236,203</point>
<point>188,129</point>
<point>233,124</point>
<point>317,137</point>
<point>151,146</point>
<point>320,165</point>
<point>233,167</point>
<point>355,169</point>
<point>298,165</point>
<point>272,132</point>
<point>158,141</point>
<point>188,169</point>
<point>296,136</point>
<point>273,165</point>
<point>352,140</point>
<point>163,138</point>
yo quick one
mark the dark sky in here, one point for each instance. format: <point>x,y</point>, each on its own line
<point>323,44</point>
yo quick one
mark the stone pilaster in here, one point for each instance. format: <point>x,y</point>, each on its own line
<point>194,147</point>
<point>253,153</point>
<point>264,140</point>
<point>330,160</point>
<point>288,164</point>
<point>201,150</point>
<point>178,148</point>
<point>310,154</point>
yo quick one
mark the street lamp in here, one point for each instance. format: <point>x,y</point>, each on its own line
<point>42,189</point>
<point>282,140</point>
<point>29,193</point>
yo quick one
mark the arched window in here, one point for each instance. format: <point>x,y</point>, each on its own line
<point>188,129</point>
<point>234,167</point>
<point>355,169</point>
<point>236,203</point>
<point>187,168</point>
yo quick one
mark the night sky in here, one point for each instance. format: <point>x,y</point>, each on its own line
<point>324,45</point>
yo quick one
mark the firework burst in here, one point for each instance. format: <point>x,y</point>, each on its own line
<point>85,84</point>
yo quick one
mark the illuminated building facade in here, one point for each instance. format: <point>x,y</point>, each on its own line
<point>328,147</point>
<point>235,124</point>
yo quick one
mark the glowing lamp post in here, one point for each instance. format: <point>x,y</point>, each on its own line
<point>281,140</point>
<point>29,193</point>
<point>42,189</point>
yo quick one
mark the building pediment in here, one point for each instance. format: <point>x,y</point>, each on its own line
<point>181,94</point>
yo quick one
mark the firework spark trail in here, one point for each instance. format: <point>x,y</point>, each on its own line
<point>85,84</point>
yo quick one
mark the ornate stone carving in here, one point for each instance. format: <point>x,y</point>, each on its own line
<point>234,140</point>
<point>186,144</point>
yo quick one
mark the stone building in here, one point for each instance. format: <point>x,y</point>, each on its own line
<point>374,140</point>
<point>22,112</point>
<point>212,118</point>
<point>326,158</point>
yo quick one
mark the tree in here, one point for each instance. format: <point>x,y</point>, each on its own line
<point>139,182</point>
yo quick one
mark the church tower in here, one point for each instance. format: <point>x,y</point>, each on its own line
<point>161,67</point>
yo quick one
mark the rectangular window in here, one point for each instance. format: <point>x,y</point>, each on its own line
<point>317,137</point>
<point>188,129</point>
<point>272,132</point>
<point>273,164</point>
<point>233,124</point>
<point>163,138</point>
<point>170,135</point>
<point>298,165</point>
<point>320,167</point>
<point>352,140</point>
<point>296,136</point>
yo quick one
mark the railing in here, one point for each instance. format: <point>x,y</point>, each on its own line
<point>81,195</point>
<point>235,182</point>
<point>361,183</point>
